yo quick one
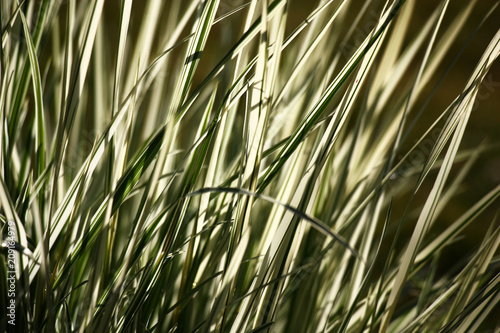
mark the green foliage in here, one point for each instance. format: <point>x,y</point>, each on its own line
<point>242,166</point>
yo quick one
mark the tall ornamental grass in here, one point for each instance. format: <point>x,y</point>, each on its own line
<point>244,166</point>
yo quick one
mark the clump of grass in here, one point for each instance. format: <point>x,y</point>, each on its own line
<point>182,166</point>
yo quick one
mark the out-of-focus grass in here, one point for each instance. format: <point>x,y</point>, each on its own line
<point>249,166</point>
